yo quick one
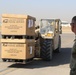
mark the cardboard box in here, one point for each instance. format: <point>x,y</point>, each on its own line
<point>24,49</point>
<point>17,25</point>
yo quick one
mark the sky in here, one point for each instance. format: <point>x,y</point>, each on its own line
<point>62,9</point>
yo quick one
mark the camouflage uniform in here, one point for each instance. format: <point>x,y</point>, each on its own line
<point>73,60</point>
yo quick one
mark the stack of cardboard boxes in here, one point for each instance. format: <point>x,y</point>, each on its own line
<point>18,37</point>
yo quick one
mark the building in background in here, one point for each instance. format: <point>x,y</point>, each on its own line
<point>65,24</point>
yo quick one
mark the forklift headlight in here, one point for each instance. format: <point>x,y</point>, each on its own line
<point>49,34</point>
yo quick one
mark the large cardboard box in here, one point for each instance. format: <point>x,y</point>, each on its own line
<point>15,49</point>
<point>17,25</point>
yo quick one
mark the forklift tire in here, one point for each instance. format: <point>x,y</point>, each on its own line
<point>46,50</point>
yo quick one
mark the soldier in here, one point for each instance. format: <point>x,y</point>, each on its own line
<point>73,54</point>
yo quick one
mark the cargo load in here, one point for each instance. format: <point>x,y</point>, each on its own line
<point>17,24</point>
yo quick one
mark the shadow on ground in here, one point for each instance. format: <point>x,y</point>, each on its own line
<point>58,59</point>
